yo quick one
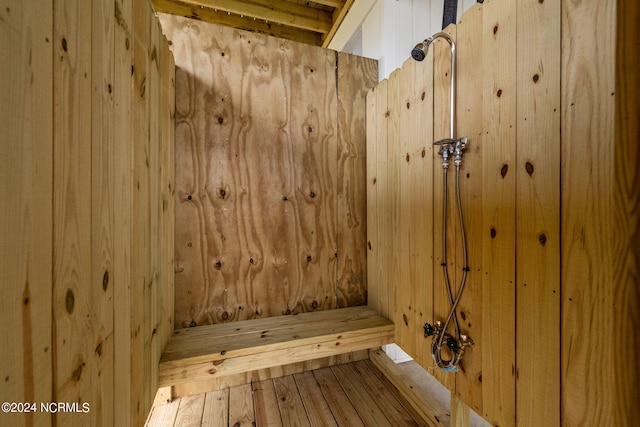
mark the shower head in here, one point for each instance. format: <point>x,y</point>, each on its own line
<point>419,52</point>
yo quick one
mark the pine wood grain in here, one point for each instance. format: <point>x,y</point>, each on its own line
<point>290,403</point>
<point>441,129</point>
<point>72,172</point>
<point>215,410</point>
<point>259,176</point>
<point>498,202</point>
<point>373,258</point>
<point>122,206</point>
<point>391,407</point>
<point>599,222</point>
<point>343,411</point>
<point>141,251</point>
<point>420,177</point>
<point>255,375</point>
<point>26,223</point>
<point>318,411</point>
<point>381,287</point>
<point>538,214</point>
<point>190,358</point>
<point>469,115</point>
<point>405,288</point>
<point>356,75</point>
<point>164,415</point>
<point>102,216</point>
<point>424,404</point>
<point>367,408</point>
<point>265,403</point>
<point>241,412</point>
<point>191,410</point>
<point>627,160</point>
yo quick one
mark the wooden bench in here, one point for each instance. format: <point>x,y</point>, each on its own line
<point>210,351</point>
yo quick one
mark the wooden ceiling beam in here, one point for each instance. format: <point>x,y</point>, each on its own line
<point>180,8</point>
<point>338,17</point>
<point>282,13</point>
<point>330,3</point>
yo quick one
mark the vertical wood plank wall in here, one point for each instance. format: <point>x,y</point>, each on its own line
<point>270,175</point>
<point>550,203</point>
<point>87,239</point>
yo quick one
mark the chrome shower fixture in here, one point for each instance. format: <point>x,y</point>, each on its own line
<point>456,343</point>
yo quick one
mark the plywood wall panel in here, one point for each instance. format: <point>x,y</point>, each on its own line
<point>356,75</point>
<point>26,223</point>
<point>469,111</point>
<point>262,178</point>
<point>538,213</point>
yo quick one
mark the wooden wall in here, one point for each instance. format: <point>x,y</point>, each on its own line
<point>551,211</point>
<point>86,179</point>
<point>270,175</point>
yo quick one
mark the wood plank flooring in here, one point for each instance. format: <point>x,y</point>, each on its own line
<point>352,395</point>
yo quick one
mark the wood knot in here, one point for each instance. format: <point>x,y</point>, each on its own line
<point>495,29</point>
<point>105,280</point>
<point>499,93</point>
<point>69,301</point>
<point>225,315</point>
<point>493,233</point>
<point>542,238</point>
<point>504,170</point>
<point>535,78</point>
<point>408,157</point>
<point>529,168</point>
<point>314,304</point>
<point>218,265</point>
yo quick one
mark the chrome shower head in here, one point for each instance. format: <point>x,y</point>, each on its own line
<point>419,52</point>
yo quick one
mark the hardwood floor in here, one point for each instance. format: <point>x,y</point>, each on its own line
<point>350,395</point>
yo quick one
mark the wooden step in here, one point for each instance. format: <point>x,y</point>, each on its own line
<point>231,348</point>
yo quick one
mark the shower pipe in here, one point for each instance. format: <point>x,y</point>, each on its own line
<point>448,146</point>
